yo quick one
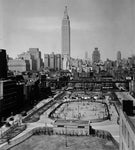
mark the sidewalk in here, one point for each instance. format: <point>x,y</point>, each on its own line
<point>109,125</point>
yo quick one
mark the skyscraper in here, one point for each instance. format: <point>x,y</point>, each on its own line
<point>119,56</point>
<point>36,57</point>
<point>86,55</point>
<point>65,39</point>
<point>96,56</point>
<point>58,61</point>
<point>46,61</point>
<point>27,57</point>
<point>52,61</point>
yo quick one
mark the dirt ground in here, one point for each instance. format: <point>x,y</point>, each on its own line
<point>82,110</point>
<point>56,142</point>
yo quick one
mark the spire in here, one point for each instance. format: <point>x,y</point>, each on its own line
<point>66,13</point>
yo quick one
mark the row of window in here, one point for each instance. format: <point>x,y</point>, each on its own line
<point>62,126</point>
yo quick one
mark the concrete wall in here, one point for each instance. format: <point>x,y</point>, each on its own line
<point>127,133</point>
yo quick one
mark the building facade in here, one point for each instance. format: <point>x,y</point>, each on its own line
<point>58,62</point>
<point>52,61</point>
<point>46,61</point>
<point>36,58</point>
<point>18,65</point>
<point>3,63</point>
<point>72,127</point>
<point>27,57</point>
<point>8,97</point>
<point>119,58</point>
<point>127,131</point>
<point>96,56</point>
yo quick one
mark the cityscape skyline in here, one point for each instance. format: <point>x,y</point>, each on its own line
<point>108,25</point>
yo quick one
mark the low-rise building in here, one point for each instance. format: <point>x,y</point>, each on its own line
<point>18,65</point>
<point>72,127</point>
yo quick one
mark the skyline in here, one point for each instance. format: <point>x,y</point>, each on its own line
<point>106,24</point>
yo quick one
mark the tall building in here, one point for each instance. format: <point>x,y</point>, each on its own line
<point>8,97</point>
<point>65,39</point>
<point>46,61</point>
<point>96,56</point>
<point>3,63</point>
<point>36,58</point>
<point>118,58</point>
<point>58,61</point>
<point>52,61</point>
<point>86,55</point>
<point>27,57</point>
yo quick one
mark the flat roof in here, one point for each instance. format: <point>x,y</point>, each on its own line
<point>62,121</point>
<point>125,96</point>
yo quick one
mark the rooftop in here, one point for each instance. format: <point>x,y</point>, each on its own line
<point>71,121</point>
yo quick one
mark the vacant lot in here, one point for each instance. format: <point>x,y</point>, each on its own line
<point>55,142</point>
<point>82,110</point>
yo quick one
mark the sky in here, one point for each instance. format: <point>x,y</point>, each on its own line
<point>106,24</point>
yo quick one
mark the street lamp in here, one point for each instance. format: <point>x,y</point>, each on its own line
<point>65,131</point>
<point>66,137</point>
<point>78,111</point>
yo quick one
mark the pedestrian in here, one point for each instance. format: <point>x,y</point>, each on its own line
<point>8,140</point>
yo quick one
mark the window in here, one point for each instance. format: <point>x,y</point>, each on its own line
<point>60,125</point>
<point>81,126</point>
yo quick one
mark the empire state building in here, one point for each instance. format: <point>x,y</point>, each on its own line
<point>66,39</point>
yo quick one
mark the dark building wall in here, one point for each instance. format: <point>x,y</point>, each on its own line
<point>3,63</point>
<point>31,93</point>
<point>20,96</point>
<point>8,102</point>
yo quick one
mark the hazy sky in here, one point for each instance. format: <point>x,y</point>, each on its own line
<point>106,24</point>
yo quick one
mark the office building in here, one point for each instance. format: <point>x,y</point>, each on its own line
<point>118,58</point>
<point>8,97</point>
<point>52,61</point>
<point>18,65</point>
<point>58,62</point>
<point>46,60</point>
<point>36,58</point>
<point>27,57</point>
<point>3,63</point>
<point>96,56</point>
<point>65,40</point>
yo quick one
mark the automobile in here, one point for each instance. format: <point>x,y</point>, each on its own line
<point>7,124</point>
<point>24,113</point>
